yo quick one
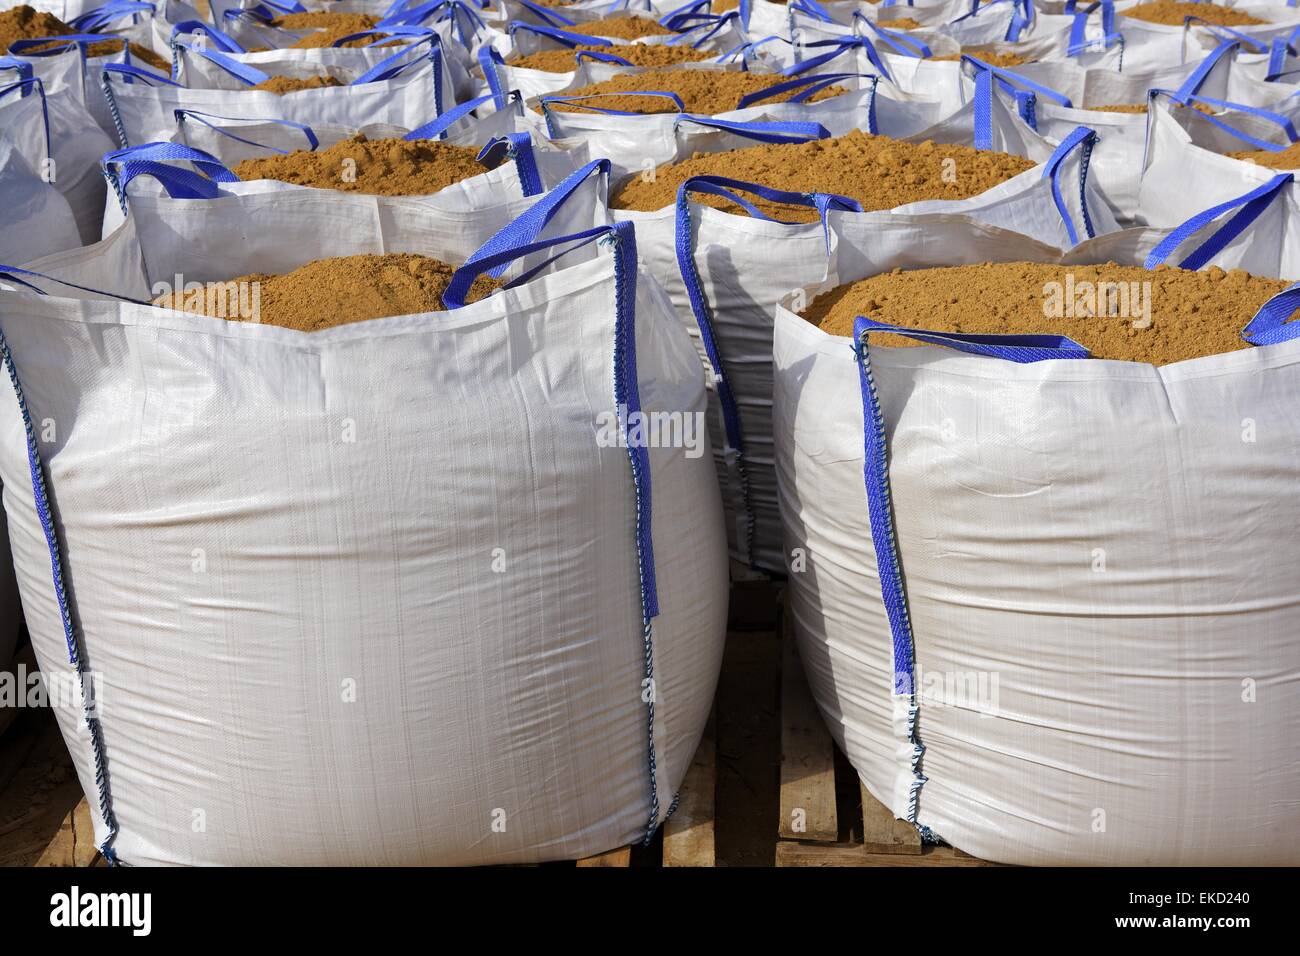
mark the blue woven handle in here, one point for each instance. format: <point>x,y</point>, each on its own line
<point>437,128</point>
<point>150,159</point>
<point>1024,90</point>
<point>1196,79</point>
<point>546,101</point>
<point>23,68</point>
<point>601,57</point>
<point>94,20</point>
<point>25,84</point>
<point>1249,206</point>
<point>1079,43</point>
<point>519,147</point>
<point>1282,122</point>
<point>182,114</point>
<point>808,86</point>
<point>490,62</point>
<point>224,41</point>
<point>763,131</point>
<point>130,71</point>
<point>248,75</point>
<point>521,232</point>
<point>838,47</point>
<point>54,44</point>
<point>552,17</point>
<point>563,37</point>
<point>1083,139</point>
<point>684,244</point>
<point>1272,323</point>
<point>896,40</point>
<point>1022,349</point>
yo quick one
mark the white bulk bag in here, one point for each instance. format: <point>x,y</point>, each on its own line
<point>350,518</point>
<point>185,222</point>
<point>1012,698</point>
<point>38,219</point>
<point>195,69</point>
<point>233,139</point>
<point>642,141</point>
<point>725,274</point>
<point>164,203</point>
<point>1183,182</point>
<point>144,104</point>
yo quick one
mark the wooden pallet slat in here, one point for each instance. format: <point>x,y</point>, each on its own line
<point>74,842</point>
<point>882,832</point>
<point>808,769</point>
<point>807,757</point>
<point>621,857</point>
<point>688,833</point>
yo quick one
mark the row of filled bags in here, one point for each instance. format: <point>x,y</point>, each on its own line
<point>210,459</point>
<point>558,717</point>
<point>63,111</point>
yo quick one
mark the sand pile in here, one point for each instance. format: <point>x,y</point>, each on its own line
<point>1142,108</point>
<point>879,172</point>
<point>1190,314</point>
<point>702,91</point>
<point>1288,158</point>
<point>621,28</point>
<point>1173,14</point>
<point>292,84</point>
<point>25,23</point>
<point>330,292</point>
<point>638,54</point>
<point>991,57</point>
<point>329,27</point>
<point>381,167</point>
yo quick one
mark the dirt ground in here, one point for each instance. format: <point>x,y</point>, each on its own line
<point>38,787</point>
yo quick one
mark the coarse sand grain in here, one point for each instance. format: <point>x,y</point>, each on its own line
<point>1192,314</point>
<point>1142,108</point>
<point>621,28</point>
<point>331,292</point>
<point>26,23</point>
<point>879,172</point>
<point>1288,158</point>
<point>1003,58</point>
<point>1172,13</point>
<point>380,167</point>
<point>638,54</point>
<point>328,27</point>
<point>706,92</point>
<point>292,84</point>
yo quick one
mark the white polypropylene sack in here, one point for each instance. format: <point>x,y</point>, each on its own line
<point>147,112</point>
<point>1104,631</point>
<point>385,599</point>
<point>172,230</point>
<point>37,218</point>
<point>1181,179</point>
<point>746,266</point>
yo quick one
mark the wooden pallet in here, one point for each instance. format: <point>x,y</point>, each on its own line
<point>818,825</point>
<point>688,833</point>
<point>74,843</point>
